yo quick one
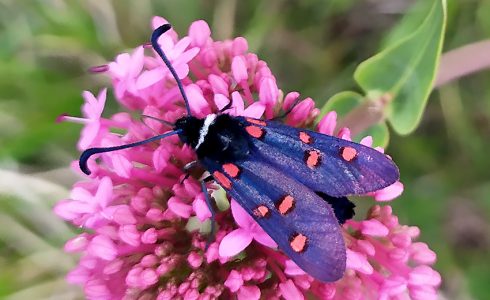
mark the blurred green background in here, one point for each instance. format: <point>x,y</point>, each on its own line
<point>46,47</point>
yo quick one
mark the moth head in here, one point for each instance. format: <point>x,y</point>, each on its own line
<point>189,128</point>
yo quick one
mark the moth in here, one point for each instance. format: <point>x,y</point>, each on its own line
<point>292,181</point>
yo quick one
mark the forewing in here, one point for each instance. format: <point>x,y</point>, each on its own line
<point>298,220</point>
<point>323,163</point>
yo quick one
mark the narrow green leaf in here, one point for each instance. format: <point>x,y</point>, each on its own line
<point>406,69</point>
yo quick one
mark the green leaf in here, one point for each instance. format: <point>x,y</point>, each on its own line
<point>342,103</point>
<point>345,102</point>
<point>406,68</point>
<point>408,24</point>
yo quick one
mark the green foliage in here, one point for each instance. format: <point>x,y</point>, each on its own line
<point>406,68</point>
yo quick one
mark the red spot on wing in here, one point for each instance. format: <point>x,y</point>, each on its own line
<point>255,131</point>
<point>231,169</point>
<point>256,122</point>
<point>298,242</point>
<point>312,158</point>
<point>348,153</point>
<point>262,211</point>
<point>286,205</point>
<point>305,137</point>
<point>222,179</point>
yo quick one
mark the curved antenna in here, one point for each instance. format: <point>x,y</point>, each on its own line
<point>157,119</point>
<point>154,42</point>
<point>89,152</point>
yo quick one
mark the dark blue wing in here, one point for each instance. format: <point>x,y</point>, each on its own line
<point>343,168</point>
<point>295,217</point>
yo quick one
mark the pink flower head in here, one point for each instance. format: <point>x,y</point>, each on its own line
<point>144,237</point>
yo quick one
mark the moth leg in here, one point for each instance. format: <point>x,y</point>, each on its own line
<point>191,165</point>
<point>188,167</point>
<point>210,207</point>
<point>227,106</point>
<point>296,102</point>
<point>208,179</point>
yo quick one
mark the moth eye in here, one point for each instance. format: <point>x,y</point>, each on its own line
<point>231,169</point>
<point>305,137</point>
<point>255,131</point>
<point>285,205</point>
<point>312,158</point>
<point>348,153</point>
<point>222,179</point>
<point>256,122</point>
<point>262,211</point>
<point>298,242</point>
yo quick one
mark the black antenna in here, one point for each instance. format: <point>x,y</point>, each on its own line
<point>154,42</point>
<point>89,152</point>
<point>157,119</point>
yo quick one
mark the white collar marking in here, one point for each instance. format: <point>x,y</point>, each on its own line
<point>205,128</point>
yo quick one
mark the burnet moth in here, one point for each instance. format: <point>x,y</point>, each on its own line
<point>292,181</point>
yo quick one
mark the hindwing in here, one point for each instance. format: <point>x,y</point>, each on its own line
<point>295,217</point>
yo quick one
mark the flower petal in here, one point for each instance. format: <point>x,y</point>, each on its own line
<point>199,105</point>
<point>367,141</point>
<point>199,32</point>
<point>221,101</point>
<point>77,243</point>
<point>290,291</point>
<point>179,208</point>
<point>238,105</point>
<point>150,77</point>
<point>328,123</point>
<point>262,237</point>
<point>255,110</point>
<point>374,227</point>
<point>250,292</point>
<point>292,269</point>
<point>103,247</point>
<point>201,208</point>
<point>104,192</point>
<point>239,68</point>
<point>358,261</point>
<point>234,281</point>
<point>70,210</point>
<point>390,192</point>
<point>234,242</point>
<point>218,85</point>
<point>424,275</point>
<point>89,134</point>
<point>242,218</point>
<point>123,215</point>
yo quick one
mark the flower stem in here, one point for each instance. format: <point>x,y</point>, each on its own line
<point>370,112</point>
<point>463,61</point>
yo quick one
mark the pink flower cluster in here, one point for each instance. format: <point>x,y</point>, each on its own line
<point>138,214</point>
